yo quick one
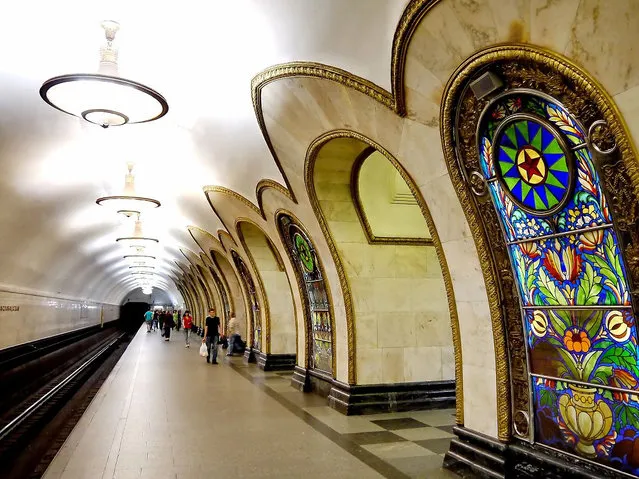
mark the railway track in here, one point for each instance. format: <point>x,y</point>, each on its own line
<point>42,399</point>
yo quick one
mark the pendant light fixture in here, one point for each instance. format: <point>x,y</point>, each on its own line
<point>138,240</point>
<point>104,98</point>
<point>128,203</point>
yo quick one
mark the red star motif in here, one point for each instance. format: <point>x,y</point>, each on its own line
<point>530,165</point>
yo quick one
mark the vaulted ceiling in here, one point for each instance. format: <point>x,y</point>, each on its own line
<point>201,56</point>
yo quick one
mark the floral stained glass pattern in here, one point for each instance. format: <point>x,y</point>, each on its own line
<point>578,318</point>
<point>319,323</point>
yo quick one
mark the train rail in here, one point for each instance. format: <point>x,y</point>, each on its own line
<point>37,419</point>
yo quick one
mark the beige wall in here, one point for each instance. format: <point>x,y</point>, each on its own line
<point>40,316</point>
<point>277,289</point>
<point>402,322</point>
<point>380,188</point>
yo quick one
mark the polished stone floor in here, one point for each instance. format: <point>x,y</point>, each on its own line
<point>165,413</point>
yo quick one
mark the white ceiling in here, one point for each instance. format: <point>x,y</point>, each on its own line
<point>201,55</point>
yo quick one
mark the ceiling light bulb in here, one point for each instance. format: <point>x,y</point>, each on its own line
<point>104,98</point>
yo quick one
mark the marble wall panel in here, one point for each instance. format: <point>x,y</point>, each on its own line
<point>393,365</point>
<point>603,41</point>
<point>41,316</point>
<point>369,366</point>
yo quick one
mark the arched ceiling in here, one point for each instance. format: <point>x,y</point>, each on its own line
<point>201,56</point>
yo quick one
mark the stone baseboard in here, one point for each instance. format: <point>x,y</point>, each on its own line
<point>472,453</point>
<point>379,398</point>
<point>475,453</point>
<point>250,355</point>
<point>300,379</point>
<point>275,362</point>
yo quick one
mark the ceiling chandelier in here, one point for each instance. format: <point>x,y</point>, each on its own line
<point>128,203</point>
<point>138,240</point>
<point>104,98</point>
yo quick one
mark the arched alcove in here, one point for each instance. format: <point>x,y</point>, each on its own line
<point>236,296</point>
<point>279,348</point>
<point>319,328</point>
<point>254,309</point>
<point>400,309</point>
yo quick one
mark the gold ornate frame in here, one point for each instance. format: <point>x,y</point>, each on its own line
<point>589,101</point>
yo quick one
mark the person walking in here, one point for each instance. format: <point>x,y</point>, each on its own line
<point>176,320</point>
<point>233,332</point>
<point>211,336</point>
<point>187,321</point>
<point>148,318</point>
<point>155,320</point>
<point>167,322</point>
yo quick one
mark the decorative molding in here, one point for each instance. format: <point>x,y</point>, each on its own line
<point>412,16</point>
<point>530,67</point>
<point>361,212</point>
<point>263,186</point>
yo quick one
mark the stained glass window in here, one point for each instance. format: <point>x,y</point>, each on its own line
<point>575,297</point>
<point>225,300</point>
<point>304,258</point>
<point>254,311</point>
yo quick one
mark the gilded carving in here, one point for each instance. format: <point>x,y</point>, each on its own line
<point>523,66</point>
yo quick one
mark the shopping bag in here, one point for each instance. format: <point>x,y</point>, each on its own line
<point>203,351</point>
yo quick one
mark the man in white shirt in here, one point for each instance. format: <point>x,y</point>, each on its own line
<point>233,333</point>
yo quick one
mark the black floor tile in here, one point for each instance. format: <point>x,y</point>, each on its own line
<point>400,423</point>
<point>438,446</point>
<point>377,437</point>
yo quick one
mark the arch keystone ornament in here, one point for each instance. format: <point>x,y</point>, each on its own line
<point>557,234</point>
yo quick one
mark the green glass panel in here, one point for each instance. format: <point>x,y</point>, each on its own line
<point>522,126</point>
<point>553,147</point>
<point>511,152</point>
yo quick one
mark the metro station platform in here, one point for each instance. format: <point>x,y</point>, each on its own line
<point>165,413</point>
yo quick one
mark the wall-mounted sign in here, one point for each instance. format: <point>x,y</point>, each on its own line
<point>9,308</point>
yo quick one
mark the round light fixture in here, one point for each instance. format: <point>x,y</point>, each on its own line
<point>128,203</point>
<point>104,98</point>
<point>138,240</point>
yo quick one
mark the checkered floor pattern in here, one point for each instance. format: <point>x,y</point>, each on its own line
<point>412,442</point>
